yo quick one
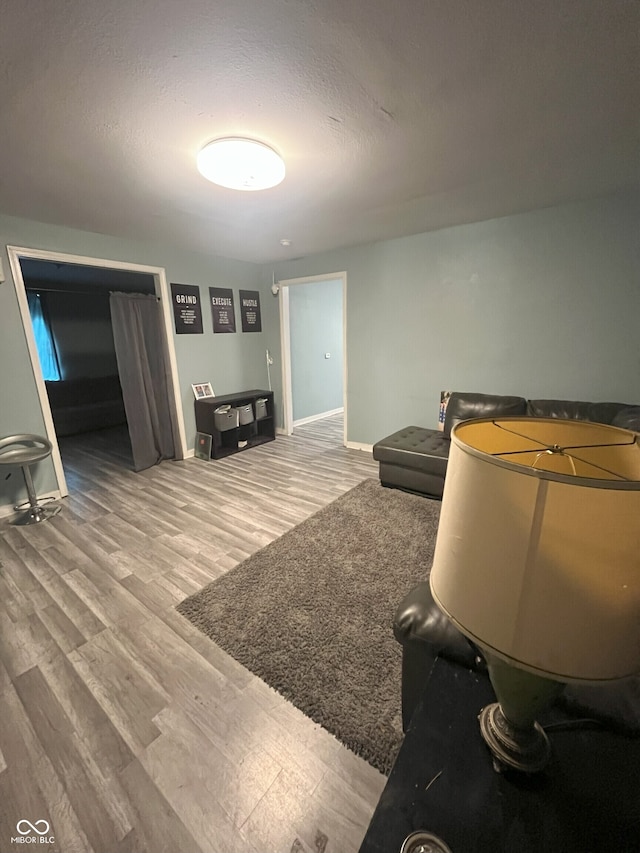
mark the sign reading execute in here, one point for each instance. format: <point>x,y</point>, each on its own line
<point>222,309</point>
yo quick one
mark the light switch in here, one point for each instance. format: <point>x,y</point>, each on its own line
<point>327,355</point>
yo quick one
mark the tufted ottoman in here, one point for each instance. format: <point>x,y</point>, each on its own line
<point>414,459</point>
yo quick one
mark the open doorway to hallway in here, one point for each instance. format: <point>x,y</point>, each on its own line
<point>312,313</point>
<point>327,431</point>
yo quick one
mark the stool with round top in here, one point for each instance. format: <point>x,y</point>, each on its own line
<point>24,451</point>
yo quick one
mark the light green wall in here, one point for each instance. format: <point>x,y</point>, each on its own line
<point>315,320</point>
<point>542,304</point>
<point>230,362</point>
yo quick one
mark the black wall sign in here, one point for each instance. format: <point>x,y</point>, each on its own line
<point>222,311</point>
<point>187,311</point>
<point>250,311</point>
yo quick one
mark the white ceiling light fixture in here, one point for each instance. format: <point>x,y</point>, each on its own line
<point>241,164</point>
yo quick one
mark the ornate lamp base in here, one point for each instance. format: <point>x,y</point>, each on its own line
<point>424,842</point>
<point>524,749</point>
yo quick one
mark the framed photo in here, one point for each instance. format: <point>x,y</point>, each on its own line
<point>203,446</point>
<point>202,390</point>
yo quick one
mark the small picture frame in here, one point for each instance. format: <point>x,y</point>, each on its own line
<point>202,449</point>
<point>202,390</point>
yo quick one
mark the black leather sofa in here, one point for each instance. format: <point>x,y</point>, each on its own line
<point>84,404</point>
<point>419,625</point>
<point>415,458</point>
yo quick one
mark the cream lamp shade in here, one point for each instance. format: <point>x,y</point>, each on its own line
<point>537,557</point>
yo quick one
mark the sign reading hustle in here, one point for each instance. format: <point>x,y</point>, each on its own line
<point>250,311</point>
<point>187,310</point>
<point>222,310</point>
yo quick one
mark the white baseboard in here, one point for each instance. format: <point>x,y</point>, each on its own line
<point>357,445</point>
<point>281,431</point>
<point>189,453</point>
<point>9,510</point>
<point>319,417</point>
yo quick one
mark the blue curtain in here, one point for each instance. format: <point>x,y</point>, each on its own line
<point>44,338</point>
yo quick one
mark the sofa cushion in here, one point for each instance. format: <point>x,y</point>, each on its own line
<point>463,406</point>
<point>415,447</point>
<point>600,413</point>
<point>84,404</point>
<point>83,391</point>
<point>628,418</point>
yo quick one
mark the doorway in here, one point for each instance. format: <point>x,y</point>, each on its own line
<point>93,272</point>
<point>314,350</point>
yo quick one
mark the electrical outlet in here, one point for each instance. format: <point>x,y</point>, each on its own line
<point>327,355</point>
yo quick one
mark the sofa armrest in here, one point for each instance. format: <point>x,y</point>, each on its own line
<point>425,633</point>
<point>628,418</point>
<point>463,406</point>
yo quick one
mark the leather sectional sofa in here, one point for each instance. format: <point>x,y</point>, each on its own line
<point>415,458</point>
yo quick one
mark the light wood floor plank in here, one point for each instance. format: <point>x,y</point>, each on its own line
<point>89,793</point>
<point>125,691</point>
<point>30,788</point>
<point>156,825</point>
<point>91,724</point>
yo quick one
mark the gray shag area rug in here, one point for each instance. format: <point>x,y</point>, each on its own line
<point>311,613</point>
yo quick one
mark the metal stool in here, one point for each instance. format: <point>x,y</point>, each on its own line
<point>25,450</point>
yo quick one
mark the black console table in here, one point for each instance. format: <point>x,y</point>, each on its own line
<point>443,782</point>
<point>244,435</point>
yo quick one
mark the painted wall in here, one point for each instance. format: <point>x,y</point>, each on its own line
<point>542,304</point>
<point>315,319</point>
<point>230,362</point>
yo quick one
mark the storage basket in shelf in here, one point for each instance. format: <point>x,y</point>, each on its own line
<point>261,408</point>
<point>225,417</point>
<point>245,414</point>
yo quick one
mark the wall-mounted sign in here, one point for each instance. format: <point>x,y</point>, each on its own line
<point>187,310</point>
<point>222,311</point>
<point>250,311</point>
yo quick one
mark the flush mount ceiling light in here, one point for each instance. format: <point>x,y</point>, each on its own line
<point>241,164</point>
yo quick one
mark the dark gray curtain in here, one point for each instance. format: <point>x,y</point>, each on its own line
<point>137,333</point>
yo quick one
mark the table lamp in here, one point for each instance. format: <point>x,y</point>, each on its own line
<point>537,560</point>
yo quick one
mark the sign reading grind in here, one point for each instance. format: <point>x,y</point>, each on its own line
<point>187,311</point>
<point>222,310</point>
<point>250,311</point>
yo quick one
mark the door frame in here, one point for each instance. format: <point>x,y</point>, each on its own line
<point>285,343</point>
<point>16,253</point>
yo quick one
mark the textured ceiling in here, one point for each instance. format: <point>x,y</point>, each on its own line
<point>393,117</point>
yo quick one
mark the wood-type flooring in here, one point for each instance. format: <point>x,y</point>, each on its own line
<point>122,726</point>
